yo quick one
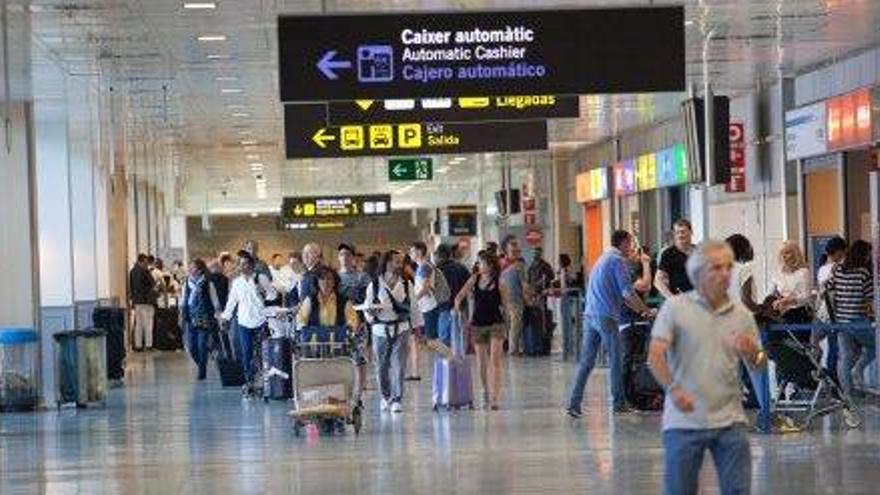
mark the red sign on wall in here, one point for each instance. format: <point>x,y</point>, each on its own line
<point>737,158</point>
<point>849,120</point>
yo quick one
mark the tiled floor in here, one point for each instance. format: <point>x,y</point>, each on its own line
<point>166,434</point>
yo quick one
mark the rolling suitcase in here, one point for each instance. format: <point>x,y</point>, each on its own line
<point>229,369</point>
<point>452,385</point>
<point>277,368</point>
<point>112,321</point>
<point>167,335</point>
<point>640,387</point>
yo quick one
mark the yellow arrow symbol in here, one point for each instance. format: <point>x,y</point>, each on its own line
<point>364,104</point>
<point>322,139</point>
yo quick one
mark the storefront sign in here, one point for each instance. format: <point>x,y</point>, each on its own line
<point>462,220</point>
<point>646,172</point>
<point>523,107</point>
<point>849,120</point>
<point>317,209</point>
<point>737,182</point>
<point>805,132</point>
<point>672,166</point>
<point>625,177</point>
<point>592,185</point>
<point>665,168</point>
<point>348,57</point>
<point>307,136</point>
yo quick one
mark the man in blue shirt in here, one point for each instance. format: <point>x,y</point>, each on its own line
<point>610,287</point>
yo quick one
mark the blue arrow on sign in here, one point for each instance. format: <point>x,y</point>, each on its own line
<point>327,65</point>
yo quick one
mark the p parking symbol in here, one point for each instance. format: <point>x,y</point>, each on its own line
<point>409,136</point>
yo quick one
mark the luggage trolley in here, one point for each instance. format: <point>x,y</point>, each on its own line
<point>275,351</point>
<point>326,384</point>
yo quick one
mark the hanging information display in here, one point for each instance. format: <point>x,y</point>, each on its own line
<point>575,51</point>
<point>462,220</point>
<point>521,107</point>
<point>310,212</point>
<point>307,135</point>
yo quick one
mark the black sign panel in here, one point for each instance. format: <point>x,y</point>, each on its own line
<point>348,57</point>
<point>313,212</point>
<point>462,220</point>
<point>461,109</point>
<point>307,135</point>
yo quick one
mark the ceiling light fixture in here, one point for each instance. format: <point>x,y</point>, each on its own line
<point>231,91</point>
<point>252,157</point>
<point>249,142</point>
<point>211,37</point>
<point>226,78</point>
<point>256,166</point>
<point>241,114</point>
<point>199,5</point>
<point>215,56</point>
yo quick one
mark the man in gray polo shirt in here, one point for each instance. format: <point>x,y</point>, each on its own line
<point>697,342</point>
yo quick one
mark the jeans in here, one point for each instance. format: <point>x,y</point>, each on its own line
<point>515,321</point>
<point>247,340</point>
<point>197,343</point>
<point>444,327</point>
<point>598,330</point>
<point>390,355</point>
<point>684,457</point>
<point>851,362</point>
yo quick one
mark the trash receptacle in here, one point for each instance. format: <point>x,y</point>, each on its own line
<point>19,369</point>
<point>81,367</point>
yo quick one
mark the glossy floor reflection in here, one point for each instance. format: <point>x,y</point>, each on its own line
<point>166,434</point>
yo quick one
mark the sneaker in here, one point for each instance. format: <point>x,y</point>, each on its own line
<point>396,407</point>
<point>384,405</point>
<point>573,413</point>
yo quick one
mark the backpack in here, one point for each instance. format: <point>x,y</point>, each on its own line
<point>442,292</point>
<point>402,309</point>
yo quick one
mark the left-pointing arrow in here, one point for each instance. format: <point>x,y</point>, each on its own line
<point>321,138</point>
<point>327,65</point>
<point>399,170</point>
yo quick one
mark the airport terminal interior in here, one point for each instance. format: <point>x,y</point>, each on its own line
<point>439,246</point>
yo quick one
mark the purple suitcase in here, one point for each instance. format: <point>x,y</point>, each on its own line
<point>452,385</point>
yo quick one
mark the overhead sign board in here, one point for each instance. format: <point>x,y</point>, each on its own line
<point>313,225</point>
<point>462,220</point>
<point>462,109</point>
<point>316,210</point>
<point>849,120</point>
<point>307,135</point>
<point>410,169</point>
<point>592,185</point>
<point>348,57</point>
<point>805,132</point>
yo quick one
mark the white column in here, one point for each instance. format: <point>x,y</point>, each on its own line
<point>85,280</point>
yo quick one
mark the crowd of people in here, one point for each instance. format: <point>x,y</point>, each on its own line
<point>702,300</point>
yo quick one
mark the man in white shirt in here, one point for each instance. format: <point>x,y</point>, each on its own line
<point>392,317</point>
<point>246,296</point>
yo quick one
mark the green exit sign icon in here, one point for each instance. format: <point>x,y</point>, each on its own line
<point>408,169</point>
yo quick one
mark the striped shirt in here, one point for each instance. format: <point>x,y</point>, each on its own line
<point>853,291</point>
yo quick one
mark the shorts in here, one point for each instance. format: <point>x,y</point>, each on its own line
<point>432,323</point>
<point>484,335</point>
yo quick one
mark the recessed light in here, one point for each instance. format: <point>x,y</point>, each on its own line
<point>235,107</point>
<point>256,166</point>
<point>215,56</point>
<point>249,142</point>
<point>199,5</point>
<point>226,78</point>
<point>254,215</point>
<point>231,91</point>
<point>241,114</point>
<point>252,157</point>
<point>211,37</point>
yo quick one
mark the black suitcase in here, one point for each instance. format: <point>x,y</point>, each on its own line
<point>640,387</point>
<point>277,368</point>
<point>112,320</point>
<point>167,335</point>
<point>229,369</point>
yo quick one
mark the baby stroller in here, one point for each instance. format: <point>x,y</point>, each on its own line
<point>816,393</point>
<point>326,387</point>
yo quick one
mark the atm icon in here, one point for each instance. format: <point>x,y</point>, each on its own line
<point>375,63</point>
